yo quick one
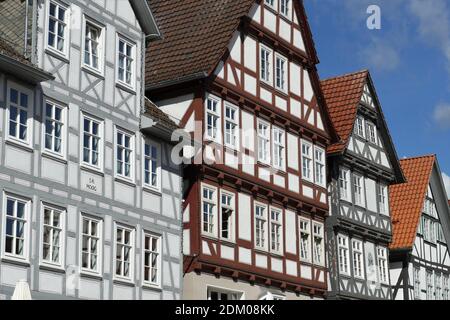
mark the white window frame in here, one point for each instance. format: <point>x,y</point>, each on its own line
<point>304,226</point>
<point>234,133</point>
<point>344,180</point>
<point>276,224</point>
<point>343,254</point>
<point>284,73</point>
<point>360,127</point>
<point>288,7</point>
<point>430,284</point>
<point>416,276</point>
<point>446,287</point>
<point>310,157</point>
<point>101,136</point>
<point>231,219</point>
<point>101,45</point>
<point>264,219</point>
<point>158,238</point>
<point>67,27</point>
<point>383,199</point>
<point>132,231</point>
<point>239,295</point>
<point>145,158</point>
<point>264,139</point>
<point>25,258</point>
<point>214,203</point>
<point>217,114</point>
<point>268,67</point>
<point>371,132</point>
<point>271,3</point>
<point>279,148</point>
<point>438,286</point>
<point>382,263</point>
<point>358,259</point>
<point>99,222</point>
<point>358,189</point>
<point>60,264</point>
<point>320,177</point>
<point>28,142</point>
<point>321,236</point>
<point>133,57</point>
<point>132,148</point>
<point>63,121</point>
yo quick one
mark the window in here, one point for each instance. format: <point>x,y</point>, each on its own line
<point>125,59</point>
<point>430,289</point>
<point>307,160</point>
<point>359,127</point>
<point>432,231</point>
<point>285,8</point>
<point>358,188</point>
<point>260,226</point>
<point>446,288</point>
<point>319,244</point>
<point>54,128</point>
<point>15,237</point>
<point>343,252</point>
<point>429,229</point>
<point>425,225</point>
<point>382,265</point>
<point>440,234</point>
<point>216,294</point>
<point>124,252</point>
<point>281,73</point>
<point>227,216</point>
<point>344,184</point>
<point>91,237</point>
<point>124,154</point>
<point>212,118</point>
<point>371,132</point>
<point>57,27</point>
<point>266,65</point>
<point>52,234</point>
<point>383,199</point>
<point>305,240</point>
<point>270,3</point>
<point>209,210</point>
<point>358,259</point>
<point>152,165</point>
<point>92,142</point>
<point>20,115</point>
<point>152,259</point>
<point>416,283</point>
<point>276,231</point>
<point>278,148</point>
<point>319,166</point>
<point>93,46</point>
<point>231,126</point>
<point>263,142</point>
<point>438,286</point>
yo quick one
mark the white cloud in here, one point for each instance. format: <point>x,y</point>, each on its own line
<point>441,115</point>
<point>446,183</point>
<point>381,55</point>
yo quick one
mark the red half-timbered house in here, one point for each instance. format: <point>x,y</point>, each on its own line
<point>243,74</point>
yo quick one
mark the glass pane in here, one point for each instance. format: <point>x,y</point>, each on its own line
<point>20,210</point>
<point>24,100</point>
<point>8,245</point>
<point>9,227</point>
<point>10,207</point>
<point>14,96</point>
<point>19,247</point>
<point>46,252</point>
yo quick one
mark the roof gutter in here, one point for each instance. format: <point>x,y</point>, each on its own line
<point>163,84</point>
<point>146,19</point>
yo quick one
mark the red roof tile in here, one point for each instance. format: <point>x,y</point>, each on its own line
<point>406,200</point>
<point>342,95</point>
<point>159,116</point>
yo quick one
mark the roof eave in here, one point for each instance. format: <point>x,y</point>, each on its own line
<point>146,19</point>
<point>24,71</point>
<point>172,82</point>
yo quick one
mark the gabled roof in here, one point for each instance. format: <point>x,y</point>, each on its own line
<point>196,35</point>
<point>159,116</point>
<point>342,95</point>
<point>406,200</point>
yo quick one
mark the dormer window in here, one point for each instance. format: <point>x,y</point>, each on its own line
<point>359,127</point>
<point>371,132</point>
<point>284,8</point>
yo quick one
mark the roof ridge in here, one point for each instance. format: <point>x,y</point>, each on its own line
<point>346,75</point>
<point>433,155</point>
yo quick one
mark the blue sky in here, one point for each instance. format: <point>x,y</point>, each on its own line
<point>409,60</point>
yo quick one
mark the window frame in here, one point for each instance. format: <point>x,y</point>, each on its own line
<point>369,127</point>
<point>28,142</point>
<point>272,5</point>
<point>269,67</point>
<point>276,145</point>
<point>64,109</point>
<point>101,144</point>
<point>288,5</point>
<point>228,292</point>
<point>383,206</point>
<point>362,188</point>
<point>266,140</point>
<point>360,127</point>
<point>310,157</point>
<point>358,249</point>
<point>132,85</point>
<point>383,268</point>
<point>345,247</point>
<point>232,218</point>
<point>67,22</point>
<point>347,179</point>
<point>265,229</point>
<point>280,225</point>
<point>308,232</point>
<point>158,146</point>
<point>321,236</point>
<point>132,136</point>
<point>429,284</point>
<point>322,163</point>
<point>416,279</point>
<point>101,46</point>
<point>284,73</point>
<point>235,122</point>
<point>25,258</point>
<point>217,114</point>
<point>132,261</point>
<point>100,237</point>
<point>213,202</point>
<point>159,238</point>
<point>62,245</point>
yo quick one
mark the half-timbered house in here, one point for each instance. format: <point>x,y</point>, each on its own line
<point>363,164</point>
<point>242,74</point>
<point>419,252</point>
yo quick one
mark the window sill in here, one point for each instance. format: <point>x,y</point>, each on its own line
<point>58,55</point>
<point>156,191</point>
<point>50,267</point>
<point>125,87</point>
<point>53,156</point>
<point>92,169</point>
<point>92,71</point>
<point>126,181</point>
<point>282,92</point>
<point>150,286</point>
<point>228,242</point>
<point>19,144</point>
<point>261,250</point>
<point>123,281</point>
<point>17,261</point>
<point>91,275</point>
